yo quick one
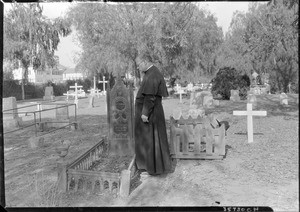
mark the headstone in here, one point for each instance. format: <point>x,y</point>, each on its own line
<point>256,90</point>
<point>249,113</point>
<point>91,101</point>
<point>48,93</point>
<point>120,119</point>
<point>263,90</point>
<point>216,102</point>
<point>199,97</point>
<point>251,98</point>
<point>208,101</point>
<point>190,87</point>
<point>10,113</point>
<point>234,95</point>
<point>283,99</point>
<point>192,99</point>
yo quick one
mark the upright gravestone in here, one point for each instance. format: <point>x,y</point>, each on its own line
<point>208,101</point>
<point>251,98</point>
<point>10,113</point>
<point>91,101</point>
<point>48,93</point>
<point>120,119</point>
<point>234,95</point>
<point>283,99</point>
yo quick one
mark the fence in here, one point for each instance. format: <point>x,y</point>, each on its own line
<point>196,139</point>
<point>37,116</point>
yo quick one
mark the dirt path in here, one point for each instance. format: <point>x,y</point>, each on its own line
<point>264,173</point>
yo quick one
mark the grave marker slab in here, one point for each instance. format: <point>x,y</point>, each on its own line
<point>283,99</point>
<point>234,95</point>
<point>48,93</point>
<point>208,101</point>
<point>10,117</point>
<point>120,119</point>
<point>249,113</point>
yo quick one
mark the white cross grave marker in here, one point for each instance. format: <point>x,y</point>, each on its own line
<point>103,84</point>
<point>76,93</point>
<point>249,113</point>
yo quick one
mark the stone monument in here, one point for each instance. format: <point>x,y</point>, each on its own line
<point>11,118</point>
<point>234,95</point>
<point>120,114</point>
<point>48,93</point>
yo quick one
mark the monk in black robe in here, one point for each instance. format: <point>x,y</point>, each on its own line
<point>151,141</point>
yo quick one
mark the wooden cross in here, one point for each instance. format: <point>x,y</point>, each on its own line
<point>249,113</point>
<point>76,93</point>
<point>103,84</point>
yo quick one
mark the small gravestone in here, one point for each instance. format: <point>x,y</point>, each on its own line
<point>190,87</point>
<point>48,93</point>
<point>234,95</point>
<point>251,98</point>
<point>256,90</point>
<point>283,99</point>
<point>216,102</point>
<point>192,99</point>
<point>11,118</point>
<point>208,101</point>
<point>199,97</point>
<point>120,119</point>
<point>91,101</point>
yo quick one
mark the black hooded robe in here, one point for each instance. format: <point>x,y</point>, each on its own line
<point>151,141</point>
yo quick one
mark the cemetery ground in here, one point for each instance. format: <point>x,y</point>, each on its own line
<point>262,173</point>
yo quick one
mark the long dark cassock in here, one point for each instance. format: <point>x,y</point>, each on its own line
<point>151,141</point>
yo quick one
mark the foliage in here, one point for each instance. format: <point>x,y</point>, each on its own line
<point>264,40</point>
<point>227,79</point>
<point>31,39</point>
<point>178,37</point>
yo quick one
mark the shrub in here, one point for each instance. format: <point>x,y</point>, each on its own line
<point>224,82</point>
<point>59,89</point>
<point>228,79</point>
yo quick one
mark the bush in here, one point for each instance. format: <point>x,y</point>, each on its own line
<point>59,89</point>
<point>11,88</point>
<point>228,79</point>
<point>224,82</point>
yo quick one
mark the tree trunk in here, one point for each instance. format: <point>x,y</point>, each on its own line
<point>23,89</point>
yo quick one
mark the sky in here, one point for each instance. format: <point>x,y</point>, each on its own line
<point>67,48</point>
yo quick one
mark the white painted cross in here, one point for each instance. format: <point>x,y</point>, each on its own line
<point>103,84</point>
<point>76,93</point>
<point>249,113</point>
<point>180,94</point>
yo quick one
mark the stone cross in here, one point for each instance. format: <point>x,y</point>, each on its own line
<point>180,91</point>
<point>249,113</point>
<point>76,93</point>
<point>103,84</point>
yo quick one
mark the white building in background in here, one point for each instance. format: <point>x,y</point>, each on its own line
<point>72,74</point>
<point>38,76</point>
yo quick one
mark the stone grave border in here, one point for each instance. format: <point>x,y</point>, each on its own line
<point>214,139</point>
<point>78,171</point>
<point>39,124</point>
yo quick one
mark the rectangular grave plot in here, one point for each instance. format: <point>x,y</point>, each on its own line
<point>97,171</point>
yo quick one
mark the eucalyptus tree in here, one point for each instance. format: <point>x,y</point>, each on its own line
<point>264,40</point>
<point>31,39</point>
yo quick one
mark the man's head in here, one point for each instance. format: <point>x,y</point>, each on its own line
<point>142,64</point>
